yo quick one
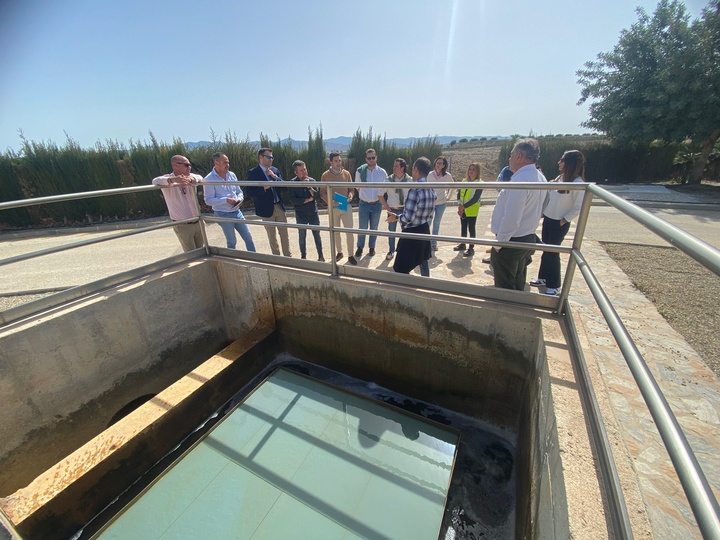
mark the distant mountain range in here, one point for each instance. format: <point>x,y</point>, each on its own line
<point>342,144</point>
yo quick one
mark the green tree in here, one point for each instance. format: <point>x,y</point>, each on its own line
<point>660,82</point>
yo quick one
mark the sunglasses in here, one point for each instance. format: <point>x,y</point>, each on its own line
<point>267,156</point>
<point>371,158</point>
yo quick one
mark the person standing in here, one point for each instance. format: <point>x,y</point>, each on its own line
<point>369,209</point>
<point>268,203</point>
<point>563,206</point>
<point>505,174</point>
<point>439,174</point>
<point>306,213</point>
<point>395,199</point>
<point>336,173</point>
<point>182,201</point>
<point>225,201</point>
<point>516,216</point>
<point>468,208</point>
<point>415,218</point>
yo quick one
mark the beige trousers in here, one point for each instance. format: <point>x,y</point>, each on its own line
<point>346,219</point>
<point>272,231</point>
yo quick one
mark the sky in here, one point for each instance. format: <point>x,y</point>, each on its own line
<point>99,70</point>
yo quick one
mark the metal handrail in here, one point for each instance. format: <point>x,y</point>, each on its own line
<point>701,251</point>
<point>700,495</point>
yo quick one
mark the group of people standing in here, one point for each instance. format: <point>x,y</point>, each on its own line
<point>517,214</point>
<point>419,210</point>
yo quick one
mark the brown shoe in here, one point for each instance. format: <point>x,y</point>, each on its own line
<point>338,257</point>
<point>352,260</point>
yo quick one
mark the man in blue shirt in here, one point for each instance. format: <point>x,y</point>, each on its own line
<point>225,201</point>
<point>415,218</point>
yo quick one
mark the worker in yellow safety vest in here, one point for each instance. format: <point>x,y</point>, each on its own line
<point>468,208</point>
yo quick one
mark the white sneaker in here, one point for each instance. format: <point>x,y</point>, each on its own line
<point>389,256</point>
<point>537,283</point>
<point>552,292</point>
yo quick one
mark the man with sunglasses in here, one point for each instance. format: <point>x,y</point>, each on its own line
<point>180,194</point>
<point>369,208</point>
<point>268,203</point>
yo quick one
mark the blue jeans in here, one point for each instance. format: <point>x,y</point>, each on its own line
<point>439,211</point>
<point>425,268</point>
<point>392,227</point>
<point>368,213</point>
<point>229,229</point>
<point>312,219</point>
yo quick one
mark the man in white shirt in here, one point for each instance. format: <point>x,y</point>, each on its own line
<point>181,200</point>
<point>516,217</point>
<point>369,208</point>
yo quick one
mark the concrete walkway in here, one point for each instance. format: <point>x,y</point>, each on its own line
<point>656,501</point>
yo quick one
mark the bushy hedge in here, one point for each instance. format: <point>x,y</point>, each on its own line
<point>607,161</point>
<point>45,169</point>
<point>388,152</point>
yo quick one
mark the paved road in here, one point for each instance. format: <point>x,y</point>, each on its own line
<point>89,263</point>
<point>609,225</point>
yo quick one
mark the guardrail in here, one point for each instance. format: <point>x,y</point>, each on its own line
<point>698,491</point>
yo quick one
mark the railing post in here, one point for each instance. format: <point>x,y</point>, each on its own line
<point>201,222</point>
<point>333,251</point>
<point>577,244</point>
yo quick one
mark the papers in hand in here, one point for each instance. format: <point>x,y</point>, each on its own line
<point>236,206</point>
<point>342,201</point>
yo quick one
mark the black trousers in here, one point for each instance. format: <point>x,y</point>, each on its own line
<point>467,223</point>
<point>552,233</point>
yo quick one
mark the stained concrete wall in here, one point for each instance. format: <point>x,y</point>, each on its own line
<point>484,362</point>
<point>65,373</point>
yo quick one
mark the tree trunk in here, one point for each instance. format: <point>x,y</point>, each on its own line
<point>702,159</point>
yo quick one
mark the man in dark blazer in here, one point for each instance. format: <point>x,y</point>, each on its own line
<point>268,204</point>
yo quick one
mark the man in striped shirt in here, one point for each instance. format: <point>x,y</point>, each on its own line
<point>415,218</point>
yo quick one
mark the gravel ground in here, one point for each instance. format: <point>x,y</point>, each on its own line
<point>684,292</point>
<point>10,301</point>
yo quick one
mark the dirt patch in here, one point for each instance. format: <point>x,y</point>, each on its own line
<point>461,155</point>
<point>686,293</point>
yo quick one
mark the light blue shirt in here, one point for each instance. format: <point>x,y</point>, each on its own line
<point>215,195</point>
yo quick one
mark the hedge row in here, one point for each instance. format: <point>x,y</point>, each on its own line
<point>45,169</point>
<point>613,163</point>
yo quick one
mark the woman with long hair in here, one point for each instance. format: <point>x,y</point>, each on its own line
<point>439,174</point>
<point>468,208</point>
<point>563,206</point>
